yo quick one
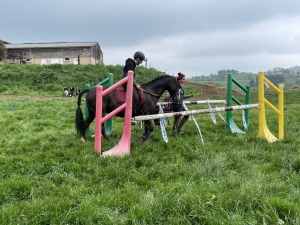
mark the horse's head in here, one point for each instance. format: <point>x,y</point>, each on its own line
<point>173,88</point>
<point>161,84</point>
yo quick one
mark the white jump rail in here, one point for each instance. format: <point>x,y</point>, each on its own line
<point>197,102</point>
<point>194,112</point>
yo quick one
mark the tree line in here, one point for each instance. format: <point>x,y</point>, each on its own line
<point>275,79</point>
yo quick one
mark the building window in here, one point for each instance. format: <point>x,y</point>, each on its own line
<point>28,60</point>
<point>67,59</point>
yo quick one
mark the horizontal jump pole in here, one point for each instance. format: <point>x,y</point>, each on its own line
<point>194,112</point>
<point>197,102</point>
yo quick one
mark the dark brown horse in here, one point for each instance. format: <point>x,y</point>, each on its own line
<point>152,90</point>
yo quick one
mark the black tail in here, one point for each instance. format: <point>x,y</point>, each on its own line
<point>80,94</point>
<point>79,120</point>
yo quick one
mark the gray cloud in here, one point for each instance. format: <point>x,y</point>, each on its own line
<point>193,35</point>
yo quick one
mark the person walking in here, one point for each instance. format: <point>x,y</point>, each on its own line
<point>177,107</point>
<point>72,89</point>
<point>77,91</point>
<point>66,90</point>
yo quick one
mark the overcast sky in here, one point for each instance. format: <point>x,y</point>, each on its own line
<point>195,37</point>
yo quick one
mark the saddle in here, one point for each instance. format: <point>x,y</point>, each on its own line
<point>121,95</point>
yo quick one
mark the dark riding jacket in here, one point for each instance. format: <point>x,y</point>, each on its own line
<point>130,65</point>
<point>182,96</point>
<point>177,106</point>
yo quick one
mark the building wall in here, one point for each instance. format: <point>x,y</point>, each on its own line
<point>88,55</point>
<point>84,60</point>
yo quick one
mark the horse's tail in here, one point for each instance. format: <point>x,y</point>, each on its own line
<point>80,95</point>
<point>79,120</point>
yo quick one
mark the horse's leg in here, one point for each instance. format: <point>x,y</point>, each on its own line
<point>148,130</point>
<point>144,137</point>
<point>104,133</point>
<point>87,123</point>
<point>184,119</point>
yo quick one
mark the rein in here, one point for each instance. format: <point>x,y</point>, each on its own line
<point>156,95</point>
<point>150,92</point>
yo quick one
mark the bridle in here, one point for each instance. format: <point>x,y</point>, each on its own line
<point>176,95</point>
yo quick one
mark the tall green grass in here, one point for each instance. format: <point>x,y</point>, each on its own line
<point>50,79</point>
<point>49,177</point>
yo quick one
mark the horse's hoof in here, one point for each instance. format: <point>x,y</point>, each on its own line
<point>144,138</point>
<point>82,139</point>
<point>106,138</point>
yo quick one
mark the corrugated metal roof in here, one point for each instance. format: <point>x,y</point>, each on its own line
<point>5,42</point>
<point>51,45</point>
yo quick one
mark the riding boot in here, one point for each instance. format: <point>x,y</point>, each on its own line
<point>175,125</point>
<point>183,120</point>
<point>135,103</point>
<point>174,130</point>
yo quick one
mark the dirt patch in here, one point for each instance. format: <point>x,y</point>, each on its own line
<point>208,92</point>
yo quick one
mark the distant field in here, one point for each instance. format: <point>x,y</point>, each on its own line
<point>243,78</point>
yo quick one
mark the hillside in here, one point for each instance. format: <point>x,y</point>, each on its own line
<point>50,80</point>
<point>289,79</point>
<point>36,80</point>
<point>207,92</point>
<point>295,69</point>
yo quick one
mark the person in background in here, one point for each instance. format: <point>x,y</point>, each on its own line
<point>66,90</point>
<point>77,91</point>
<point>177,107</point>
<point>72,89</point>
<point>130,64</point>
<point>168,107</point>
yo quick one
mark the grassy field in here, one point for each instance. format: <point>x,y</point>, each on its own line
<point>49,177</point>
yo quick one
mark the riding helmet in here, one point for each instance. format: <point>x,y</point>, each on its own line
<point>139,55</point>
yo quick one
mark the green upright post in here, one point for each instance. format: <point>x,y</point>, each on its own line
<point>230,124</point>
<point>229,119</point>
<point>110,79</point>
<point>108,123</point>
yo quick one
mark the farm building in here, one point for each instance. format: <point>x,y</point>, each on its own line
<point>54,53</point>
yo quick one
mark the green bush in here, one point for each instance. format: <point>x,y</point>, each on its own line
<point>3,89</point>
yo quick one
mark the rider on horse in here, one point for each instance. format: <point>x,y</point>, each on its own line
<point>138,59</point>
